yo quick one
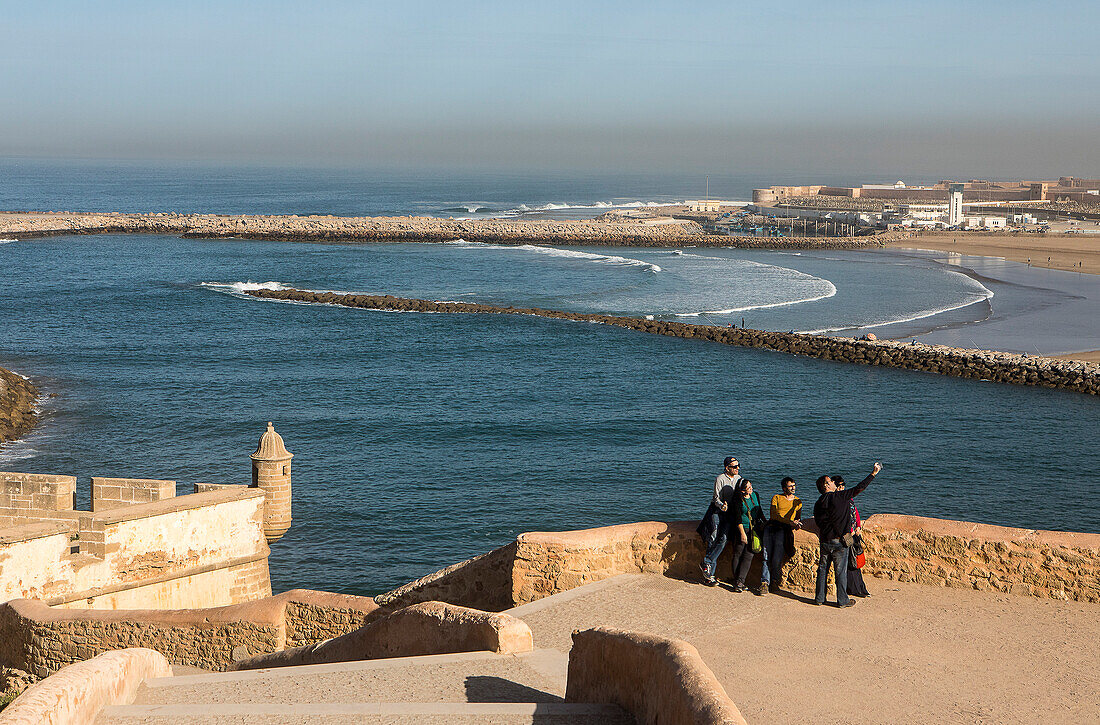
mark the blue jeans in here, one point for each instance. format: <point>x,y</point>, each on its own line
<point>836,553</point>
<point>774,552</point>
<point>715,547</point>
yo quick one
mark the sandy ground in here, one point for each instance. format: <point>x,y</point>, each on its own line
<point>1071,252</point>
<point>1075,253</point>
<point>909,653</point>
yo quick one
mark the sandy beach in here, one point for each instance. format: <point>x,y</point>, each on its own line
<point>1070,252</point>
<point>1067,252</point>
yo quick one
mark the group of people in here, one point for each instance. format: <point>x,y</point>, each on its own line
<point>736,515</point>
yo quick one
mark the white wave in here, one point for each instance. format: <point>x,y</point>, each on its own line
<point>831,292</point>
<point>605,258</point>
<point>563,253</point>
<point>979,296</point>
<point>241,288</point>
<point>558,206</point>
<point>825,292</point>
<point>8,241</point>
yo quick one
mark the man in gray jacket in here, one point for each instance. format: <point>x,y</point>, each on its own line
<point>714,528</point>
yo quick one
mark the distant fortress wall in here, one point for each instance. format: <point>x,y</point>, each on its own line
<point>1066,188</point>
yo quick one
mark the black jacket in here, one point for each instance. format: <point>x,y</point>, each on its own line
<point>832,513</point>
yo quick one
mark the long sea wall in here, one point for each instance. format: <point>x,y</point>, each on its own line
<point>603,232</point>
<point>999,367</point>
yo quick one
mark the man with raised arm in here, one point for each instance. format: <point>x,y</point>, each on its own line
<point>831,516</point>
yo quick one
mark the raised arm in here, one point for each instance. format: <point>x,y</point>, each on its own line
<point>852,493</point>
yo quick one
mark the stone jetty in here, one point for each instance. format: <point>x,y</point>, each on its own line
<point>18,414</point>
<point>603,232</point>
<point>998,367</point>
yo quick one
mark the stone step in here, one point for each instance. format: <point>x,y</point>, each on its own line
<point>473,677</point>
<point>372,713</point>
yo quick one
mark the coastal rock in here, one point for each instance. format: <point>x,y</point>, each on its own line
<point>18,413</point>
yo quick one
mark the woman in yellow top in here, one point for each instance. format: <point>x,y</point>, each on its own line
<point>786,516</point>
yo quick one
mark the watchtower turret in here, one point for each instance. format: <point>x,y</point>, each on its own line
<point>271,472</point>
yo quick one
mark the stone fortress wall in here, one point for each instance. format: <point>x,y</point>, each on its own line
<point>141,546</point>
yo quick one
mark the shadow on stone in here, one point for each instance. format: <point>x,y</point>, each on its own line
<point>483,688</point>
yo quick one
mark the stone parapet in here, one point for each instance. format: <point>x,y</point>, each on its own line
<point>428,628</point>
<point>655,679</point>
<point>1001,367</point>
<point>112,493</point>
<point>40,639</point>
<point>76,694</point>
<point>1047,564</point>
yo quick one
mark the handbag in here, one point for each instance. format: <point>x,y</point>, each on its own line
<point>857,557</point>
<point>755,544</point>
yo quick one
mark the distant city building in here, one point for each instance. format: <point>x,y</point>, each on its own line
<point>704,205</point>
<point>954,204</point>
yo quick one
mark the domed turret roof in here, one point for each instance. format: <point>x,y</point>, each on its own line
<point>271,446</point>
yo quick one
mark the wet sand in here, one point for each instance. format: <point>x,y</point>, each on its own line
<point>1067,252</point>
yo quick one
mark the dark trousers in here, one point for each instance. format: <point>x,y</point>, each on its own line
<point>742,561</point>
<point>856,586</point>
<point>833,552</point>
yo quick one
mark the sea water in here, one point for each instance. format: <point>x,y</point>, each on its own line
<point>424,439</point>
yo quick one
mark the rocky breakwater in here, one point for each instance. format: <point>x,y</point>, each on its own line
<point>353,229</point>
<point>998,367</point>
<point>18,414</point>
<point>609,231</point>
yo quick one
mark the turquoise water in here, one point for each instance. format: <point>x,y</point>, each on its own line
<point>423,439</point>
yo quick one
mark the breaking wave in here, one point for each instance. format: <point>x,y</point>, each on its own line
<point>563,254</point>
<point>979,293</point>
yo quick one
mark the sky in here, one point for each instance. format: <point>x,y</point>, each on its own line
<point>979,89</point>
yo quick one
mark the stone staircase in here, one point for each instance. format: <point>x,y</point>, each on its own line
<point>467,688</point>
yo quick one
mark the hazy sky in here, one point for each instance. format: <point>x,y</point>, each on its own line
<point>971,88</point>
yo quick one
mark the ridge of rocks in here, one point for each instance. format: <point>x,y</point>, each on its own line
<point>620,232</point>
<point>1001,367</point>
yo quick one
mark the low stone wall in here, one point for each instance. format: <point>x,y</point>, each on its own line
<point>76,694</point>
<point>655,679</point>
<point>18,414</point>
<point>313,616</point>
<point>1000,367</point>
<point>428,628</point>
<point>484,582</point>
<point>40,639</point>
<point>1048,564</point>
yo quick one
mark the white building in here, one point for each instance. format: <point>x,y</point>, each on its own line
<point>954,204</point>
<point>985,222</point>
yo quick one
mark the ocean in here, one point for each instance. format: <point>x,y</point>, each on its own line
<point>424,439</point>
